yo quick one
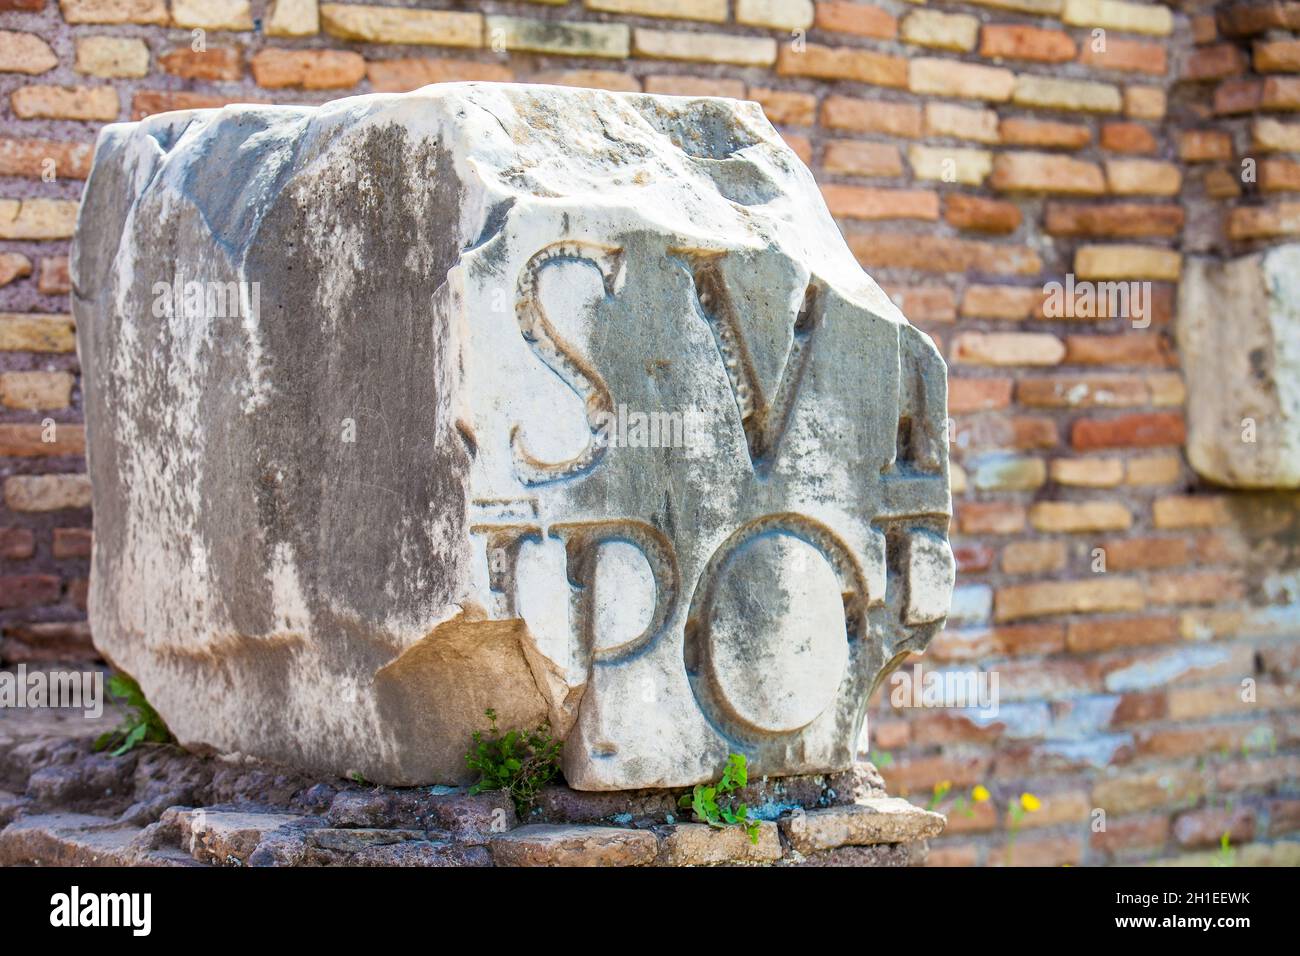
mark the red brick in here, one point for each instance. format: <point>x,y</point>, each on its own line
<point>1279,175</point>
<point>19,543</point>
<point>1238,96</point>
<point>1121,220</point>
<point>1082,391</point>
<point>308,69</point>
<point>1127,138</point>
<point>1216,62</point>
<point>871,116</point>
<point>1204,587</point>
<point>398,76</point>
<point>926,304</point>
<point>1014,42</point>
<point>973,558</point>
<point>72,542</point>
<point>1203,29</point>
<point>1129,56</point>
<point>214,63</point>
<point>1246,19</point>
<point>1280,93</point>
<point>978,394</point>
<point>1004,432</point>
<point>1039,851</point>
<point>1026,132</point>
<point>784,108</point>
<point>922,773</point>
<point>861,19</point>
<point>27,441</point>
<point>1130,554</point>
<point>930,253</point>
<point>1140,430</point>
<point>1203,145</point>
<point>1277,56</point>
<point>29,590</point>
<point>981,215</point>
<point>863,202</point>
<point>150,102</point>
<point>842,63</point>
<point>54,278</point>
<point>990,517</point>
<point>1122,350</point>
<point>1046,172</point>
<point>27,157</point>
<point>1106,634</point>
<point>1130,833</point>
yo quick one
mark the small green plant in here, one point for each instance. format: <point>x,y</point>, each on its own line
<point>519,762</point>
<point>140,724</point>
<point>940,791</point>
<point>1016,810</point>
<point>703,800</point>
<point>882,758</point>
<point>1227,854</point>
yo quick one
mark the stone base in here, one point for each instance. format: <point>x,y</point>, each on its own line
<point>61,804</point>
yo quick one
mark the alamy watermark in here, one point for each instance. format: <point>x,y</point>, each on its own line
<point>82,690</point>
<point>206,299</point>
<point>948,688</point>
<point>1098,300</point>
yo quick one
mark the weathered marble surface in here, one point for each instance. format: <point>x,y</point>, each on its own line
<point>1239,340</point>
<point>404,484</point>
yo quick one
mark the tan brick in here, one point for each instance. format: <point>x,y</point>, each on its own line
<point>842,63</point>
<point>1280,93</point>
<point>861,19</point>
<point>148,102</point>
<point>1007,348</point>
<point>784,108</point>
<point>1143,177</point>
<point>13,265</point>
<point>1136,348</point>
<point>925,304</point>
<point>213,14</point>
<point>1059,94</point>
<point>1102,594</point>
<point>961,122</point>
<point>30,441</point>
<point>213,63</point>
<point>66,102</point>
<point>36,333</point>
<point>1279,175</point>
<point>1221,183</point>
<point>1000,301</point>
<point>293,18</point>
<point>775,14</point>
<point>991,517</point>
<point>940,31</point>
<point>1122,220</point>
<point>1264,222</point>
<point>1087,637</point>
<point>54,279</point>
<point>1204,145</point>
<point>1270,135</point>
<point>1277,56</point>
<point>1204,29</point>
<point>1150,18</point>
<point>31,157</point>
<point>374,24</point>
<point>1088,472</point>
<point>950,163</point>
<point>1156,470</point>
<point>703,47</point>
<point>981,215</point>
<point>713,11</point>
<point>1001,472</point>
<point>1128,138</point>
<point>1203,587</point>
<point>1033,557</point>
<point>1042,8</point>
<point>1191,511</point>
<point>398,76</point>
<point>862,159</point>
<point>115,11</point>
<point>1075,516</point>
<point>1126,56</point>
<point>25,53</point>
<point>871,116</point>
<point>1134,791</point>
<point>1016,42</point>
<point>1238,96</point>
<point>1046,172</point>
<point>112,57</point>
<point>1144,102</point>
<point>862,202</point>
<point>1082,391</point>
<point>936,77</point>
<point>35,390</point>
<point>1127,262</point>
<point>1025,132</point>
<point>37,218</point>
<point>929,253</point>
<point>47,492</point>
<point>1132,554</point>
<point>685,85</point>
<point>308,69</point>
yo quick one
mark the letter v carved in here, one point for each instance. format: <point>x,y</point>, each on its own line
<point>763,419</point>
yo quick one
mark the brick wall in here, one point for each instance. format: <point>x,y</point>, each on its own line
<point>973,152</point>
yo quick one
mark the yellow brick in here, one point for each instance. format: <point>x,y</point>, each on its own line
<point>1104,593</point>
<point>775,14</point>
<point>37,218</point>
<point>1044,8</point>
<point>66,102</point>
<point>1127,262</point>
<point>957,478</point>
<point>1088,472</point>
<point>25,53</point>
<point>961,122</point>
<point>112,57</point>
<point>936,77</point>
<point>1007,348</point>
<point>1191,511</point>
<point>35,391</point>
<point>213,14</point>
<point>1167,389</point>
<point>950,164</point>
<point>115,11</point>
<point>706,47</point>
<point>371,24</point>
<point>36,333</point>
<point>1144,102</point>
<point>293,18</point>
<point>1152,18</point>
<point>1271,136</point>
<point>47,492</point>
<point>714,11</point>
<point>1143,177</point>
<point>942,31</point>
<point>1074,95</point>
<point>1072,516</point>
